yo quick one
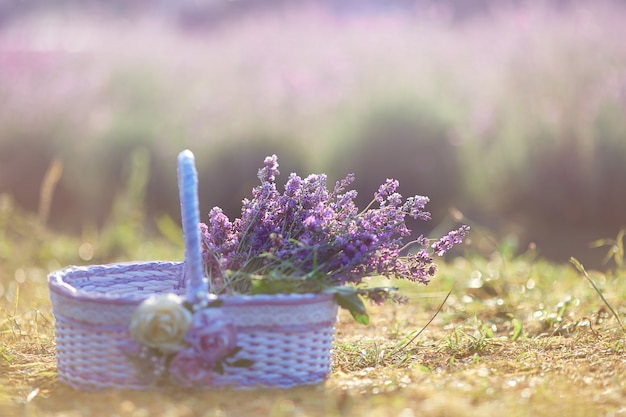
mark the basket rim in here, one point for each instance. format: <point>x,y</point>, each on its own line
<point>58,285</point>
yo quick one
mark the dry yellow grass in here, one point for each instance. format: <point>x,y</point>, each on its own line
<point>568,358</point>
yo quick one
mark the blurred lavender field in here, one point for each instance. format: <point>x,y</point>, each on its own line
<point>513,114</point>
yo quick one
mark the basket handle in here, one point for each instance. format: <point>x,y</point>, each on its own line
<point>193,275</point>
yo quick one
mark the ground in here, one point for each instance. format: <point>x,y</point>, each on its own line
<point>516,336</point>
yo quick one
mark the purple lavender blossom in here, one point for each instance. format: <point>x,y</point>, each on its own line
<point>341,185</point>
<point>446,243</point>
<point>386,190</point>
<point>307,230</point>
<point>414,206</point>
<point>377,296</point>
<point>269,172</point>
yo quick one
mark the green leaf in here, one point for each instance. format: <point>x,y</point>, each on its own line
<point>424,368</point>
<point>46,373</point>
<point>219,368</point>
<point>233,352</point>
<point>215,303</point>
<point>517,328</point>
<point>361,318</point>
<point>486,331</point>
<point>6,356</point>
<point>348,298</point>
<point>268,285</point>
<point>242,363</point>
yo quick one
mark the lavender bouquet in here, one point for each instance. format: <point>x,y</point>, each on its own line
<point>308,239</point>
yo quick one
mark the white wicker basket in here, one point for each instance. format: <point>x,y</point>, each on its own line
<point>286,339</point>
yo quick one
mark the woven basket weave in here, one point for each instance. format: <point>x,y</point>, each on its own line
<point>286,337</point>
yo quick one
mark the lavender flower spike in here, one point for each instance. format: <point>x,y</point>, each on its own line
<point>269,172</point>
<point>445,243</point>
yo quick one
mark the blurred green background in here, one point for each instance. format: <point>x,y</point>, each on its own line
<point>510,115</point>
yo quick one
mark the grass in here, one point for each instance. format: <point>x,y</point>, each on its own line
<point>516,336</point>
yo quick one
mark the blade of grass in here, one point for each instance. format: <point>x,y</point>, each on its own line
<point>46,193</point>
<point>416,335</point>
<point>16,300</point>
<point>616,248</point>
<point>582,270</point>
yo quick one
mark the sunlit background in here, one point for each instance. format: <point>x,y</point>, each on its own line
<point>511,116</point>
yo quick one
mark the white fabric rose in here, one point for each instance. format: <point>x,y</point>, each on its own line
<point>160,322</point>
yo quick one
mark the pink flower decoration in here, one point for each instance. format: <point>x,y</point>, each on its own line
<point>211,335</point>
<point>188,370</point>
